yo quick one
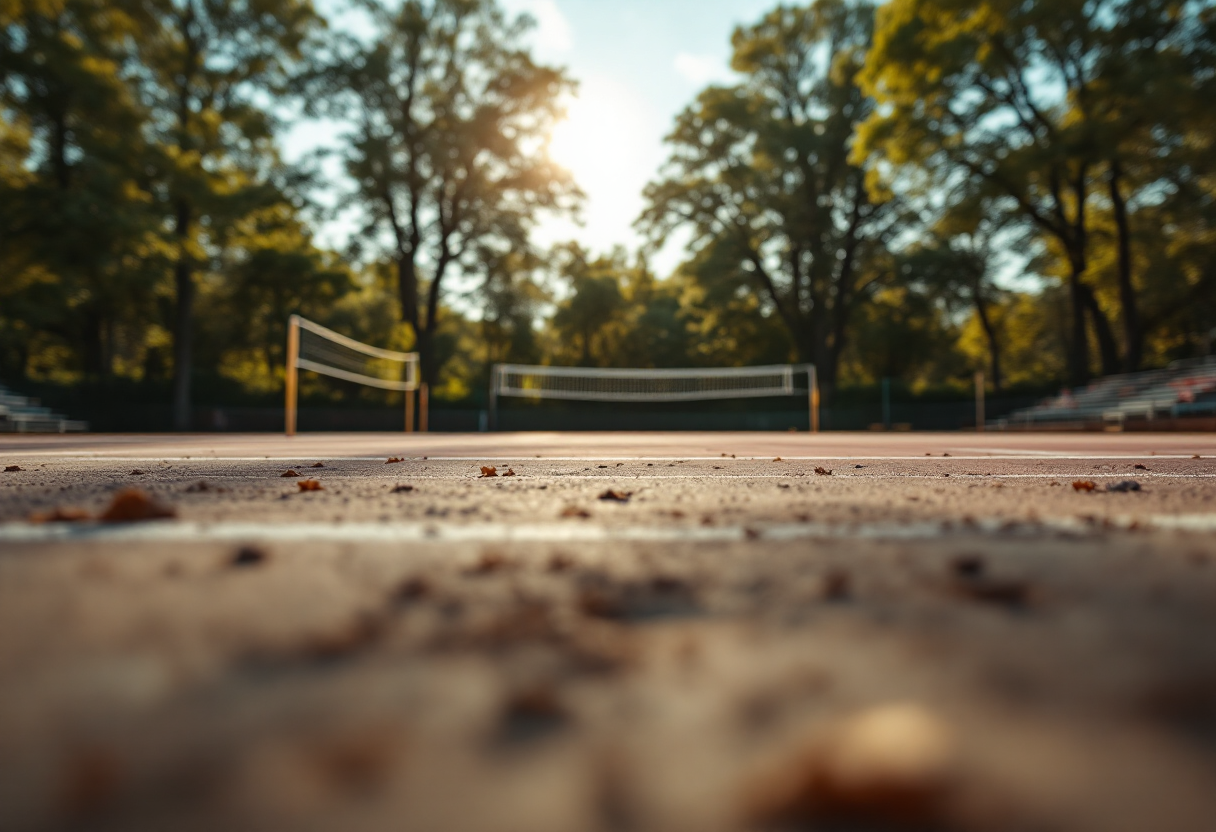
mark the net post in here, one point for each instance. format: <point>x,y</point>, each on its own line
<point>494,371</point>
<point>293,372</point>
<point>409,410</point>
<point>813,395</point>
<point>979,401</point>
<point>424,406</point>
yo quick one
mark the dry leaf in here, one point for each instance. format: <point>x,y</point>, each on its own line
<point>823,472</point>
<point>616,496</point>
<point>778,459</point>
<point>402,489</point>
<point>290,473</point>
<point>893,766</point>
<point>490,561</point>
<point>837,586</point>
<point>318,465</point>
<point>393,459</point>
<point>560,563</point>
<point>248,556</point>
<point>488,471</point>
<point>137,473</point>
<point>510,473</point>
<point>1140,467</point>
<point>575,511</point>
<point>132,505</point>
<point>8,469</point>
<point>61,515</point>
<point>1084,485</point>
<point>310,485</point>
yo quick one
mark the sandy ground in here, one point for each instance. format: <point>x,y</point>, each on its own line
<point>631,632</point>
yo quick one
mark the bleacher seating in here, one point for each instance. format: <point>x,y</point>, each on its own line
<point>21,414</point>
<point>1183,389</point>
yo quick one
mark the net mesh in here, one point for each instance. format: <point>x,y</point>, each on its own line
<point>327,352</point>
<point>619,385</point>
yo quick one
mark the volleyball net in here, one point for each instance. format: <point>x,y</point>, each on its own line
<point>319,349</point>
<point>649,385</point>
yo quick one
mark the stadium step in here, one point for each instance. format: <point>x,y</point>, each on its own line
<point>1185,388</point>
<point>21,414</point>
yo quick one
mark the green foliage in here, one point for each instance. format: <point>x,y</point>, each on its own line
<point>760,174</point>
<point>1056,111</point>
<point>449,112</point>
<point>859,197</point>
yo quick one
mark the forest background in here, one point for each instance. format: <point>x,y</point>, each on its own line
<point>913,190</point>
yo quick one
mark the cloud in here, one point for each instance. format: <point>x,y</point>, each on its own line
<point>553,32</point>
<point>700,69</point>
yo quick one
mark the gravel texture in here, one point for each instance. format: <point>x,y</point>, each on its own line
<point>936,643</point>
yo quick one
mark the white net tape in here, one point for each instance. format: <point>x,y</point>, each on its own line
<point>612,385</point>
<point>327,352</point>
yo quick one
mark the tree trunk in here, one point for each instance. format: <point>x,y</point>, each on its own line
<point>1078,340</point>
<point>183,332</point>
<point>1133,332</point>
<point>1108,348</point>
<point>994,347</point>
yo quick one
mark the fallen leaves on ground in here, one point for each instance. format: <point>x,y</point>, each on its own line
<point>488,471</point>
<point>575,511</point>
<point>778,459</point>
<point>136,473</point>
<point>510,473</point>
<point>837,585</point>
<point>61,515</point>
<point>1123,487</point>
<point>9,469</point>
<point>317,465</point>
<point>402,489</point>
<point>291,472</point>
<point>248,556</point>
<point>1140,467</point>
<point>490,561</point>
<point>823,472</point>
<point>1084,485</point>
<point>132,505</point>
<point>616,496</point>
<point>310,485</point>
<point>393,459</point>
<point>892,766</point>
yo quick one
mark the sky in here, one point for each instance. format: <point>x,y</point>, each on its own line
<point>638,64</point>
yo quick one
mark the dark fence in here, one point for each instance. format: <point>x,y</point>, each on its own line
<point>555,416</point>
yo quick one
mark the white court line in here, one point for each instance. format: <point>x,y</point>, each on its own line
<point>63,455</point>
<point>523,477</point>
<point>235,532</point>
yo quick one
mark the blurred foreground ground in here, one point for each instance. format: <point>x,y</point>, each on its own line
<point>632,632</point>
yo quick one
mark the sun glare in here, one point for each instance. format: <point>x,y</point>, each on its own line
<point>596,137</point>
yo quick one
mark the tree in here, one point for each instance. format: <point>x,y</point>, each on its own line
<point>511,297</point>
<point>760,173</point>
<point>450,115</point>
<point>1028,101</point>
<point>955,262</point>
<point>77,238</point>
<point>583,321</point>
<point>208,68</point>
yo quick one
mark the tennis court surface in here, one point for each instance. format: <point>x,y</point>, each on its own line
<point>679,631</point>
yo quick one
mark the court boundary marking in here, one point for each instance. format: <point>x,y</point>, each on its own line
<point>572,532</point>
